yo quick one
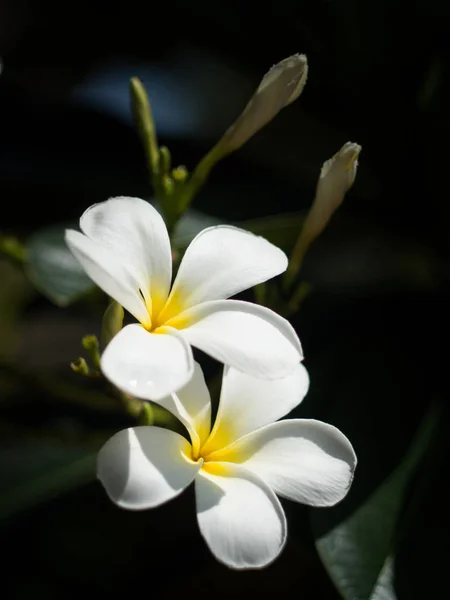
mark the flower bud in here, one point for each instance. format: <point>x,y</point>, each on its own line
<point>91,345</point>
<point>112,322</point>
<point>336,178</point>
<point>280,86</point>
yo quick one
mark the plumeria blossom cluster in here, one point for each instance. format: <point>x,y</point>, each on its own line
<point>246,458</point>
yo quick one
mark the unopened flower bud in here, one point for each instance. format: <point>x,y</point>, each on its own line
<point>336,178</point>
<point>112,322</point>
<point>280,86</point>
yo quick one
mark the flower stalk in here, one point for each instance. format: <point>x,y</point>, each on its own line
<point>175,188</point>
<point>92,347</point>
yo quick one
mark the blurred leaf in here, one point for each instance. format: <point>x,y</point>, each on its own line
<point>384,589</point>
<point>53,269</point>
<point>35,472</point>
<point>357,552</point>
<point>14,292</point>
<point>190,224</point>
<point>112,322</point>
<point>281,230</point>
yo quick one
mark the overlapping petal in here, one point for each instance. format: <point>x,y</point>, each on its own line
<point>221,262</point>
<point>301,459</point>
<point>247,403</point>
<point>143,467</point>
<point>134,232</point>
<point>239,516</point>
<point>110,273</point>
<point>148,365</point>
<point>192,406</point>
<point>249,337</point>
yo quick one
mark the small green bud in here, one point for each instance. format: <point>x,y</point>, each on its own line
<point>180,174</point>
<point>79,365</point>
<point>168,184</point>
<point>112,322</point>
<point>165,160</point>
<point>143,118</point>
<point>91,345</point>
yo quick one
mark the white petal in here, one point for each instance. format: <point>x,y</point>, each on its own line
<point>192,405</point>
<point>304,460</point>
<point>134,231</point>
<point>220,262</point>
<point>239,516</point>
<point>246,336</point>
<point>143,467</point>
<point>109,273</point>
<point>247,403</point>
<point>147,365</point>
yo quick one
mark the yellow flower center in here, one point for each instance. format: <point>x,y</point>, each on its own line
<point>211,449</point>
<point>169,313</point>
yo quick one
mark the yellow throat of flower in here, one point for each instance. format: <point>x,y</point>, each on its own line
<point>166,313</point>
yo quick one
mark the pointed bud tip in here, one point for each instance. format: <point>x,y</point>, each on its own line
<point>344,161</point>
<point>135,82</point>
<point>291,73</point>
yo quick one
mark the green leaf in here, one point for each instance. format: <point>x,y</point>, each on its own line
<point>384,589</point>
<point>53,269</point>
<point>15,291</point>
<point>358,552</point>
<point>36,472</point>
<point>281,230</point>
<point>190,224</point>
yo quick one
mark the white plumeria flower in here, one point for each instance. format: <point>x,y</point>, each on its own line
<point>238,467</point>
<point>125,250</point>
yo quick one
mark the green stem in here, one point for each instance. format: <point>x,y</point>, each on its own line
<point>298,296</point>
<point>296,259</point>
<point>91,345</point>
<point>60,389</point>
<point>187,190</point>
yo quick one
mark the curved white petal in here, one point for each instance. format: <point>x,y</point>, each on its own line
<point>132,230</point>
<point>192,406</point>
<point>143,467</point>
<point>220,262</point>
<point>110,273</point>
<point>239,516</point>
<point>304,460</point>
<point>249,337</point>
<point>247,403</point>
<point>147,365</point>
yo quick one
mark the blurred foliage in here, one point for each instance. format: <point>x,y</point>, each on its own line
<point>52,267</point>
<point>358,550</point>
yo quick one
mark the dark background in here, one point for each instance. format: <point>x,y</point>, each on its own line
<point>375,328</point>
